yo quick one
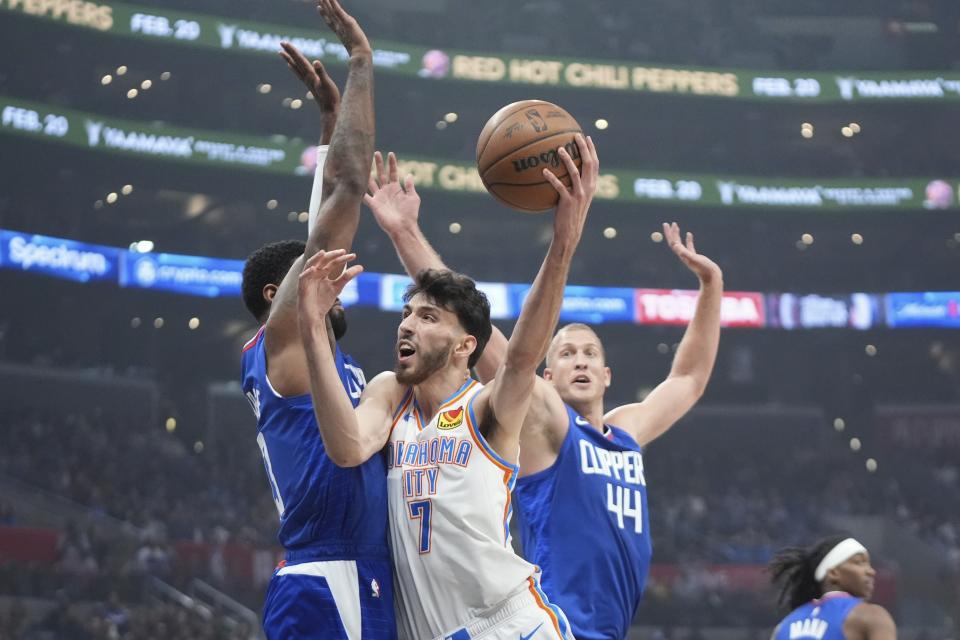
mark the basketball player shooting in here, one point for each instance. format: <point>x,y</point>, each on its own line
<point>577,463</point>
<point>827,587</point>
<point>336,579</point>
<point>452,444</point>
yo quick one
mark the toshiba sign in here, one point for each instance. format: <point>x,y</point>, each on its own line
<point>666,306</point>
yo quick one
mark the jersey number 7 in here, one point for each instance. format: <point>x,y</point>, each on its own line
<point>422,510</point>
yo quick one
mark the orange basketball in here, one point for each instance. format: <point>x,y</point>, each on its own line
<point>516,144</point>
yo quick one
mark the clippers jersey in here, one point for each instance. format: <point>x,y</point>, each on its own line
<point>326,512</point>
<point>450,507</point>
<point>818,619</point>
<point>584,522</point>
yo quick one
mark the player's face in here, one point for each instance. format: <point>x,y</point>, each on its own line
<point>425,340</point>
<point>338,319</point>
<point>577,368</point>
<point>856,576</point>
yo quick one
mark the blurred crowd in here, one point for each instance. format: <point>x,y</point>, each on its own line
<point>114,620</point>
<point>733,504</point>
<point>145,477</point>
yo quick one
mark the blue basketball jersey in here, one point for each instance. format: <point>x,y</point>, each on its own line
<point>818,619</point>
<point>584,521</point>
<point>326,512</point>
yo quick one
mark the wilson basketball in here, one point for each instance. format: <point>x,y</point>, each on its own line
<point>516,144</point>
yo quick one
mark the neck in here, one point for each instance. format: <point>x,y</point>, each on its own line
<point>832,587</point>
<point>592,410</point>
<point>436,389</point>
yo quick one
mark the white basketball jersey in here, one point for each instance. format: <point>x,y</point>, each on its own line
<point>449,494</point>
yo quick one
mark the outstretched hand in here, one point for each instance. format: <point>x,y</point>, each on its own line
<point>314,77</point>
<point>705,269</point>
<point>395,205</point>
<point>322,280</point>
<point>345,26</point>
<point>574,201</point>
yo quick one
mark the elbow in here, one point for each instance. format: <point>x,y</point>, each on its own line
<point>354,183</point>
<point>345,459</point>
<point>694,386</point>
<point>348,177</point>
<point>351,452</point>
<point>347,183</point>
<point>699,387</point>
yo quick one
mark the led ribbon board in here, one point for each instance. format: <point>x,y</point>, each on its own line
<point>158,141</point>
<point>157,24</point>
<point>221,278</point>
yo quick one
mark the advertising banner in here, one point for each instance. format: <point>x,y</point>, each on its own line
<point>57,257</point>
<point>213,33</point>
<point>815,311</point>
<point>153,140</point>
<point>927,309</point>
<point>218,277</point>
<point>676,307</point>
<point>192,275</point>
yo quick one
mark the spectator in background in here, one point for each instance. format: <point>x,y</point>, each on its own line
<point>75,553</point>
<point>153,558</point>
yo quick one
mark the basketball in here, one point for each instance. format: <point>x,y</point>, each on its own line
<point>514,147</point>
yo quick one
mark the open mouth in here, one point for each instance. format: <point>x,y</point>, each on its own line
<point>405,350</point>
<point>581,379</point>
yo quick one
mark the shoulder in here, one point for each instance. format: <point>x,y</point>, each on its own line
<point>384,382</point>
<point>871,617</point>
<point>626,417</point>
<point>383,392</point>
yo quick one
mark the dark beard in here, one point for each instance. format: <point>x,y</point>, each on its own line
<point>430,362</point>
<point>338,322</point>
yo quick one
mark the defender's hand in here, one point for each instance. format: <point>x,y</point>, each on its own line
<point>705,269</point>
<point>395,205</point>
<point>574,202</point>
<point>345,26</point>
<point>314,77</point>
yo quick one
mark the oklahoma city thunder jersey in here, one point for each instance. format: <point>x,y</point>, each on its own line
<point>584,522</point>
<point>450,507</point>
<point>326,512</point>
<point>818,619</point>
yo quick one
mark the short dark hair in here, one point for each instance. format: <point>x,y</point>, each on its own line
<point>795,569</point>
<point>457,293</point>
<point>267,265</point>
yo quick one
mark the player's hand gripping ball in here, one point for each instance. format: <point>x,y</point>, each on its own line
<point>516,144</point>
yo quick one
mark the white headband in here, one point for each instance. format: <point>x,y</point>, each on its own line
<point>837,556</point>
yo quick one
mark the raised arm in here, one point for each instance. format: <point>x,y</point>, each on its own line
<point>396,208</point>
<point>350,435</point>
<point>502,405</point>
<point>318,82</point>
<point>695,357</point>
<point>344,181</point>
